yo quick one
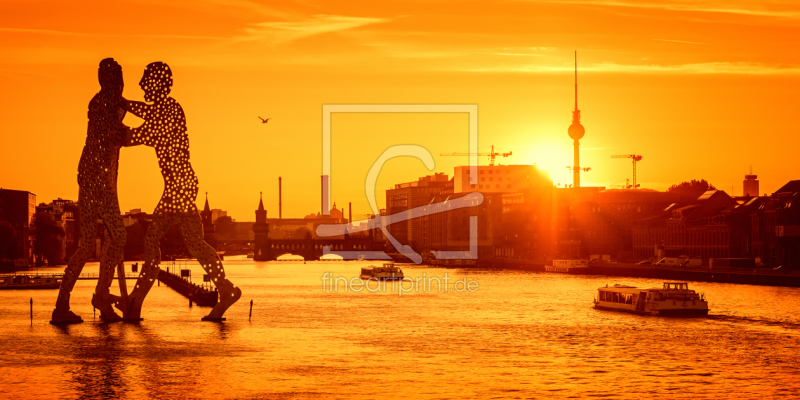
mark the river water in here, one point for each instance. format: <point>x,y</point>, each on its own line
<point>515,334</point>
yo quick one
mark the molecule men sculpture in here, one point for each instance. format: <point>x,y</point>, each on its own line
<point>164,129</point>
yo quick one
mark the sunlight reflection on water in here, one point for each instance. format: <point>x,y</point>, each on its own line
<point>521,334</point>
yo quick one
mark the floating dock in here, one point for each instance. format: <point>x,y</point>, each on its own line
<point>197,294</point>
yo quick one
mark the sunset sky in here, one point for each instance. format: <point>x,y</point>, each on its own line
<point>701,89</point>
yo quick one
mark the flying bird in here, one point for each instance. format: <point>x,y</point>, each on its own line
<point>264,121</point>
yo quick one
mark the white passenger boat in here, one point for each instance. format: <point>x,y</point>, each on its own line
<point>388,272</point>
<point>30,281</point>
<point>567,266</point>
<point>675,298</point>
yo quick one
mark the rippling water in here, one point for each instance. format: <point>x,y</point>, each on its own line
<point>520,335</point>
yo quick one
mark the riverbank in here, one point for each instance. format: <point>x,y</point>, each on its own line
<point>757,276</point>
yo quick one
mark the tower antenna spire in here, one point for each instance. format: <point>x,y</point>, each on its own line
<point>576,80</point>
<point>576,132</point>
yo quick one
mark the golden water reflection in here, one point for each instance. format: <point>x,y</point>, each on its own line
<point>520,334</point>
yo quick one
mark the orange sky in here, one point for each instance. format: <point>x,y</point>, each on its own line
<point>701,89</point>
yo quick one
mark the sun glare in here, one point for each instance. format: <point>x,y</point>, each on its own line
<point>552,158</point>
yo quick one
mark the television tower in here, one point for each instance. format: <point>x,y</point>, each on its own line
<point>576,132</point>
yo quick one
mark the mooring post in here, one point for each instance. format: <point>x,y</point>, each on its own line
<point>251,310</point>
<point>31,311</point>
<point>190,302</point>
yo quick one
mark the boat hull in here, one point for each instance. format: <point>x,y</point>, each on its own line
<point>681,312</point>
<point>388,278</point>
<point>665,312</point>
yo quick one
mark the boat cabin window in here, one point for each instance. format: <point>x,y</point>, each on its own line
<point>676,286</point>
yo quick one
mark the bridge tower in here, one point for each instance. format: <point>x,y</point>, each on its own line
<point>208,226</point>
<point>261,252</point>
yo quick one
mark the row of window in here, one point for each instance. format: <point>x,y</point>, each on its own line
<point>490,186</point>
<point>490,171</point>
<point>613,297</point>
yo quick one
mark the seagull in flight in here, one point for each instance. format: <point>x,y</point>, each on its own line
<point>264,121</point>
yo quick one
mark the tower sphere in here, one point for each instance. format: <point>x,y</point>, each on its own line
<point>576,131</point>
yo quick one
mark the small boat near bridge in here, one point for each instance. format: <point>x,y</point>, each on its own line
<point>388,272</point>
<point>24,281</point>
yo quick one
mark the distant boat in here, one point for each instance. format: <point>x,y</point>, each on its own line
<point>388,272</point>
<point>567,266</point>
<point>251,255</point>
<point>30,282</point>
<point>331,257</point>
<point>290,257</point>
<point>675,298</point>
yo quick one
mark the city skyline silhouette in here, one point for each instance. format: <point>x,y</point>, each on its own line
<point>667,95</point>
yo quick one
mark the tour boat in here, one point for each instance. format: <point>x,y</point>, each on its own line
<point>567,266</point>
<point>675,298</point>
<point>30,282</point>
<point>388,272</point>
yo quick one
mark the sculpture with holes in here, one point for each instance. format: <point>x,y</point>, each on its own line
<point>164,128</point>
<point>97,197</point>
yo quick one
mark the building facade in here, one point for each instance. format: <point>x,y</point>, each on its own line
<point>410,196</point>
<point>17,207</point>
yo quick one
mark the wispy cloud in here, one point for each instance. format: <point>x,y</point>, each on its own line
<point>272,32</point>
<point>286,31</point>
<point>86,34</point>
<point>759,9</point>
<point>424,50</point>
<point>677,41</point>
<point>521,51</point>
<point>5,72</point>
<point>699,68</point>
<point>518,54</point>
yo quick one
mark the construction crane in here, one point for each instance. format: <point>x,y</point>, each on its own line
<point>491,155</point>
<point>635,158</point>
<point>585,169</point>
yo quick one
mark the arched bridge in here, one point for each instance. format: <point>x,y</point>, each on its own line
<point>309,249</point>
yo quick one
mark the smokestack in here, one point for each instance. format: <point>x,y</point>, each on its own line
<point>280,199</point>
<point>324,193</point>
<point>350,206</point>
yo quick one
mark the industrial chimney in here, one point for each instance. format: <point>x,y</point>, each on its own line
<point>280,199</point>
<point>324,193</point>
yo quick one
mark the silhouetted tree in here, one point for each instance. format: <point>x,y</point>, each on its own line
<point>225,227</point>
<point>692,188</point>
<point>8,245</point>
<point>49,238</point>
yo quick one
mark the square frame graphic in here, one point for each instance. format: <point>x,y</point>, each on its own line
<point>471,109</point>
